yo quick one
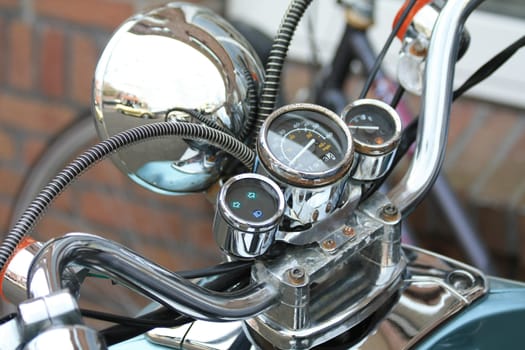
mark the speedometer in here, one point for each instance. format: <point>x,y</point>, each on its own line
<point>305,145</point>
<point>308,151</point>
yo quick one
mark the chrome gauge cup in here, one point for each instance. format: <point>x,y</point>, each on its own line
<point>308,150</point>
<point>157,65</point>
<point>249,210</point>
<point>376,131</point>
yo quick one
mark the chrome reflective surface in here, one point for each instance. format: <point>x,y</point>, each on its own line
<point>238,236</point>
<point>137,273</point>
<point>369,168</point>
<point>435,106</point>
<point>37,315</point>
<point>328,288</point>
<point>199,335</point>
<point>67,337</point>
<point>175,56</point>
<point>336,221</point>
<point>286,173</point>
<point>14,284</point>
<point>10,335</point>
<point>411,63</point>
<point>433,289</point>
<point>436,288</point>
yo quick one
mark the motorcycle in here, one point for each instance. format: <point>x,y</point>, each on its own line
<point>313,251</point>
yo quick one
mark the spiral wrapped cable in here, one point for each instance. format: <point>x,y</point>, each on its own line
<point>100,151</point>
<point>252,102</point>
<point>276,60</point>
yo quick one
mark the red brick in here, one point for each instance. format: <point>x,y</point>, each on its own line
<point>21,113</point>
<point>84,59</point>
<point>65,201</point>
<point>480,151</point>
<point>9,4</point>
<point>165,256</point>
<point>52,226</point>
<point>461,115</point>
<point>3,51</point>
<point>200,233</point>
<point>10,183</point>
<point>21,53</point>
<point>5,212</point>
<point>121,213</point>
<point>492,226</point>
<point>197,204</point>
<point>99,13</point>
<point>32,150</point>
<point>501,186</point>
<point>52,63</point>
<point>7,147</point>
<point>107,174</point>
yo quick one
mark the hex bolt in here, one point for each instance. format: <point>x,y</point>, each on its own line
<point>296,275</point>
<point>329,244</point>
<point>389,212</point>
<point>348,231</point>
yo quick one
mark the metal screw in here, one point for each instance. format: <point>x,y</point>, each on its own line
<point>328,244</point>
<point>296,275</point>
<point>461,280</point>
<point>348,231</point>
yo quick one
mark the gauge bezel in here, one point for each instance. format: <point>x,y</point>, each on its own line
<point>241,223</point>
<point>366,148</point>
<point>291,176</point>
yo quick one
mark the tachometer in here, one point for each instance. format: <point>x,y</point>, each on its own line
<point>376,130</point>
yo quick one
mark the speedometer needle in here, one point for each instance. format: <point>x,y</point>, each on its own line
<point>301,152</point>
<point>364,127</point>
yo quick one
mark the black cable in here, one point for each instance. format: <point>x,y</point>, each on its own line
<point>397,96</point>
<point>223,268</point>
<point>132,321</point>
<point>490,67</point>
<point>386,46</point>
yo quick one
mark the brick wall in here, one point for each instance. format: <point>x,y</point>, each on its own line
<point>48,52</point>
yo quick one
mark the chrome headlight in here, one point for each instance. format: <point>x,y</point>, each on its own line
<point>179,56</point>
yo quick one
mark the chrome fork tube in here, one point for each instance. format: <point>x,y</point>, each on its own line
<point>435,106</point>
<point>145,277</point>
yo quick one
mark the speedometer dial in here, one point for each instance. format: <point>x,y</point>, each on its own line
<point>305,144</point>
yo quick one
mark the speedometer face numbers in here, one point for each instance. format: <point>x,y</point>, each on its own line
<point>375,126</point>
<point>305,144</point>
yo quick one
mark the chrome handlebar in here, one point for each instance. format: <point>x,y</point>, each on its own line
<point>435,106</point>
<point>49,267</point>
